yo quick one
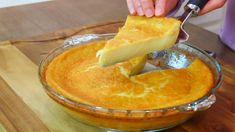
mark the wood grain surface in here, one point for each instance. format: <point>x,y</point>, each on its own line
<point>26,107</point>
<point>19,111</point>
<point>21,75</point>
<point>35,19</point>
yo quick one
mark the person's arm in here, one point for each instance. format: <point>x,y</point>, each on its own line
<point>150,8</point>
<point>212,5</point>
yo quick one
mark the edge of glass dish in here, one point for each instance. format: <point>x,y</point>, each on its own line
<point>200,104</point>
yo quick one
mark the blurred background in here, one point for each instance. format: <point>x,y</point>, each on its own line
<point>10,3</point>
<point>34,17</point>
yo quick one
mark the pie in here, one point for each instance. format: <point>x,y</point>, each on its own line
<point>139,36</point>
<point>77,75</point>
<point>120,96</point>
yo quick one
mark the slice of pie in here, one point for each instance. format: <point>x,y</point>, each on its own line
<point>140,36</point>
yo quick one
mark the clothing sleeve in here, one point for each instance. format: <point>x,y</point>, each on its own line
<point>227,33</point>
<point>176,9</point>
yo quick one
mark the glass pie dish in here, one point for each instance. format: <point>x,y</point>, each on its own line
<point>179,56</point>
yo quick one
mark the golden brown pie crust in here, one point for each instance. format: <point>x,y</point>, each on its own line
<point>76,75</point>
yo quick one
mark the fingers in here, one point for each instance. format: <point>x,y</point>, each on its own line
<point>138,7</point>
<point>131,7</point>
<point>141,7</point>
<point>212,5</point>
<point>163,7</point>
<point>148,7</point>
<point>159,7</point>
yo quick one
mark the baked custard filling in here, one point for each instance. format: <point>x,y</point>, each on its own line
<point>140,36</point>
<point>77,75</point>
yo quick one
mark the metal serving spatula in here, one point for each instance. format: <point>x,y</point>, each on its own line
<point>173,57</point>
<point>191,8</point>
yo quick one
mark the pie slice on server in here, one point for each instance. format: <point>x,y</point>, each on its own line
<point>140,36</point>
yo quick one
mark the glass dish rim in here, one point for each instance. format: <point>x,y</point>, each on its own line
<point>181,107</point>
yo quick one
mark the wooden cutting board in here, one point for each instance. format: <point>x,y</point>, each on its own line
<point>25,106</point>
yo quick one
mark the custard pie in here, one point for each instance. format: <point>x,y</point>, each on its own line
<point>77,75</point>
<point>124,96</point>
<point>139,36</point>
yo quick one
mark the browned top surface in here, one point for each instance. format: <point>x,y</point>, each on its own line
<point>77,75</point>
<point>218,118</point>
<point>30,20</point>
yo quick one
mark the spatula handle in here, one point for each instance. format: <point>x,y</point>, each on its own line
<point>199,3</point>
<point>196,5</point>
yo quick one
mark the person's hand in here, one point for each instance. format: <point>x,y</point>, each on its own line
<point>150,8</point>
<point>212,5</point>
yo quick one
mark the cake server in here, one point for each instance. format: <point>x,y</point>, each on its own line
<point>192,8</point>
